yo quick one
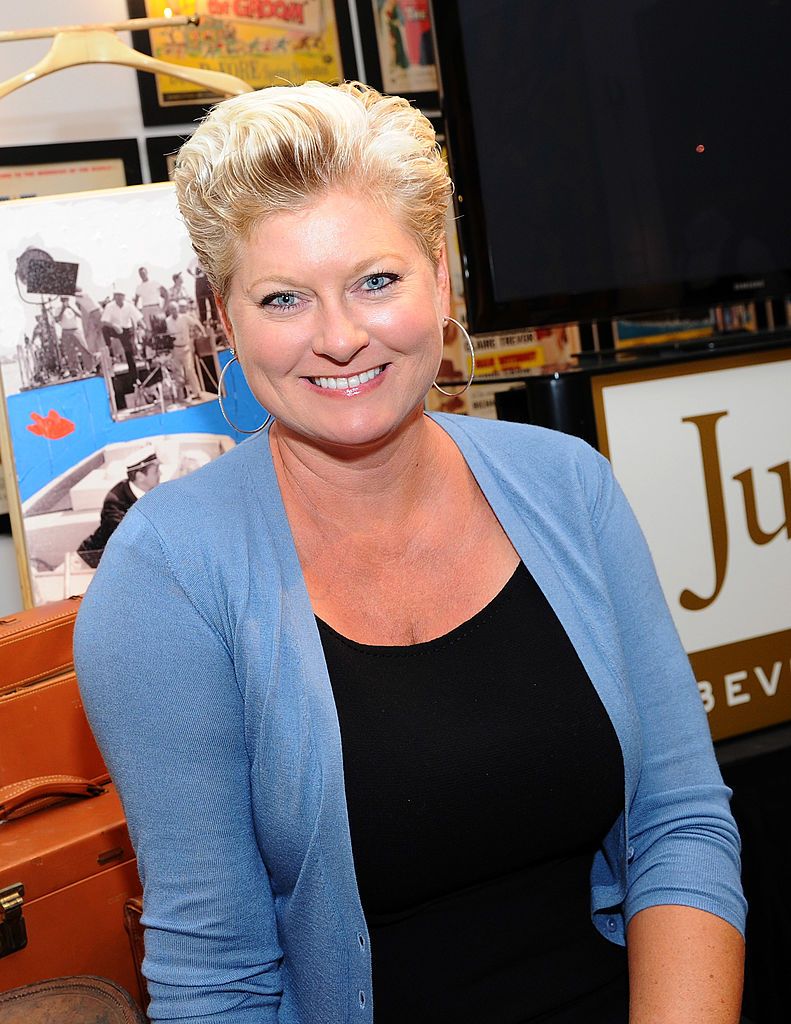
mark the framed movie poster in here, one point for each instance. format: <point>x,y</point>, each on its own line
<point>52,169</point>
<point>262,43</point>
<point>399,49</point>
<point>110,357</point>
<point>162,151</point>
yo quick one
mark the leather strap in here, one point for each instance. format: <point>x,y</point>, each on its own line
<point>29,795</point>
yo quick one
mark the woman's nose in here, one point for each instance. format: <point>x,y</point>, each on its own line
<point>340,336</point>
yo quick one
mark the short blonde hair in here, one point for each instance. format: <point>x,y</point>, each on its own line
<point>280,148</point>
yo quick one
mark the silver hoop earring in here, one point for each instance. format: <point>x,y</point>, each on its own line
<point>468,339</point>
<point>234,359</point>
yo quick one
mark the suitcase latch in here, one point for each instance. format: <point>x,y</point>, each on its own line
<point>13,932</point>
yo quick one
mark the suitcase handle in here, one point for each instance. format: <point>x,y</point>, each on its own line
<point>31,795</point>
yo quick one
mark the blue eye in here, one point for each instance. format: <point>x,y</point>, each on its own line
<point>376,282</point>
<point>281,300</point>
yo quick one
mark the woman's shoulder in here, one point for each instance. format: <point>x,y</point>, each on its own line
<point>205,533</point>
<point>229,487</point>
<point>197,518</point>
<point>538,451</point>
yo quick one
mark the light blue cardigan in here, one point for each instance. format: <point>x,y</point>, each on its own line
<point>203,677</point>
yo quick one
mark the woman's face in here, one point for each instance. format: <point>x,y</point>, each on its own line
<point>336,316</point>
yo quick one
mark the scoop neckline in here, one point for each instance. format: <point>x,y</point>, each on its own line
<point>453,635</point>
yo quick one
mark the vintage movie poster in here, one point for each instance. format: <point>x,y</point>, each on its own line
<point>260,41</point>
<point>405,46</point>
<point>480,399</point>
<point>110,358</point>
<point>520,352</point>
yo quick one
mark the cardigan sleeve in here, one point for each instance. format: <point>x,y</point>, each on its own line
<point>160,692</point>
<point>683,844</point>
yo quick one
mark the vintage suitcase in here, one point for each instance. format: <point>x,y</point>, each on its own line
<point>66,864</point>
<point>81,1000</point>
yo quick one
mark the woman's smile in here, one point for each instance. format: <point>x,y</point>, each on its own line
<point>350,384</point>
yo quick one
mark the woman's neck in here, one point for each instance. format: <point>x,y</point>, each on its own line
<point>344,490</point>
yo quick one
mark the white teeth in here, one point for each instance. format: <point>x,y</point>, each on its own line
<point>333,383</point>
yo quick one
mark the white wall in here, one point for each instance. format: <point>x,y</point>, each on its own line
<point>94,101</point>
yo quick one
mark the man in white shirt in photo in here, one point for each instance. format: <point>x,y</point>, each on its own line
<point>121,319</point>
<point>150,297</point>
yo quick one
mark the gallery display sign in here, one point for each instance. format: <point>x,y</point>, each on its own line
<point>703,453</point>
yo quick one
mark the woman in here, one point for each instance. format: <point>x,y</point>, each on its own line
<point>468,606</point>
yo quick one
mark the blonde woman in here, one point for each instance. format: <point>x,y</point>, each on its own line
<point>415,739</point>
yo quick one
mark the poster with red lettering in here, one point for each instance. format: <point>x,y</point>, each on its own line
<point>263,42</point>
<point>55,168</point>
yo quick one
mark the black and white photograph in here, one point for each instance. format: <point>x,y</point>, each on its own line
<point>152,333</point>
<point>110,357</point>
<point>69,521</point>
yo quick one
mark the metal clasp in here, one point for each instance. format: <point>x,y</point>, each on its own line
<point>13,932</point>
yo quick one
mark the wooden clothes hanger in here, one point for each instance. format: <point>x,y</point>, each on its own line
<point>98,44</point>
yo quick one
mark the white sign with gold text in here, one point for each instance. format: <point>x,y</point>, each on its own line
<point>703,452</point>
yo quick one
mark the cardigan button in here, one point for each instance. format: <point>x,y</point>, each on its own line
<point>611,926</point>
<point>630,854</point>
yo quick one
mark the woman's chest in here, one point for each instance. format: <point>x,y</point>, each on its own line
<point>407,589</point>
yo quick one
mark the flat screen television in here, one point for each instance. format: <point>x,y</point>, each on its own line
<point>617,157</point>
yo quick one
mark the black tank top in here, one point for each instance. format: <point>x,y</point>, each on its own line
<point>482,772</point>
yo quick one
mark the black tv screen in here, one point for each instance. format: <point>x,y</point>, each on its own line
<point>618,156</point>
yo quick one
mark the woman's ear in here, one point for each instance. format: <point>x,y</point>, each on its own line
<point>443,281</point>
<point>225,320</point>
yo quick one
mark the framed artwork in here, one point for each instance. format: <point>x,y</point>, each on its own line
<point>398,44</point>
<point>96,289</point>
<point>261,43</point>
<point>162,152</point>
<point>48,170</point>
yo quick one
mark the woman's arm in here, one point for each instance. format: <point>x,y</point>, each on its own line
<point>683,846</point>
<point>160,692</point>
<point>685,967</point>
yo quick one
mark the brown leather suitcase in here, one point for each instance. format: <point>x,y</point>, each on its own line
<point>67,866</point>
<point>83,1000</point>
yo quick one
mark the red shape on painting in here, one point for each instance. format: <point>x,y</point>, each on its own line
<point>52,426</point>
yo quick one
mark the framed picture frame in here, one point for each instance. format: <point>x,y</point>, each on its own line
<point>398,49</point>
<point>162,151</point>
<point>58,167</point>
<point>260,50</point>
<point>93,286</point>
